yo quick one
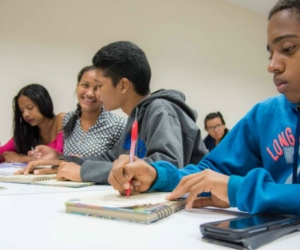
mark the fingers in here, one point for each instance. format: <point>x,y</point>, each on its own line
<point>117,178</point>
<point>38,150</point>
<point>45,152</point>
<point>137,175</point>
<point>28,169</point>
<point>141,174</point>
<point>5,156</point>
<point>21,171</point>
<point>206,181</point>
<point>69,171</point>
<point>135,185</point>
<point>30,153</point>
<point>33,164</point>
<point>185,186</point>
<point>45,171</point>
<point>37,155</point>
<point>203,202</point>
<point>61,178</point>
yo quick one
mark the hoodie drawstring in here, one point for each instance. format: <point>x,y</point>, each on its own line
<point>296,148</point>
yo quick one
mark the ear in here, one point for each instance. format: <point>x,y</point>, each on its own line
<point>124,85</point>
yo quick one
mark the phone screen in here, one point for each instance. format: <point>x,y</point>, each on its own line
<point>245,226</point>
<point>251,221</point>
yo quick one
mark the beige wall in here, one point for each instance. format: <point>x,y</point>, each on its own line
<point>211,50</point>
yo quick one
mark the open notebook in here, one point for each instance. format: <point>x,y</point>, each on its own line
<point>7,168</point>
<point>141,208</point>
<point>47,179</point>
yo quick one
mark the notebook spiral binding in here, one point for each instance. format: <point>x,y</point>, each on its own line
<point>37,179</point>
<point>163,212</point>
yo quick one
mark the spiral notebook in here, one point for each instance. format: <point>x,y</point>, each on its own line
<point>141,208</point>
<point>46,179</point>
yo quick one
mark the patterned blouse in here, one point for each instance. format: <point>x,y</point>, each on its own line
<point>99,138</point>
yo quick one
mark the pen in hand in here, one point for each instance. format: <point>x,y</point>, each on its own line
<point>134,135</point>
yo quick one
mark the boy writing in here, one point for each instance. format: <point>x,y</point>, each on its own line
<point>255,167</point>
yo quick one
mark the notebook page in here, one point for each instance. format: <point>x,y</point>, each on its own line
<point>54,182</point>
<point>12,165</point>
<point>28,178</point>
<point>9,171</point>
<point>111,198</point>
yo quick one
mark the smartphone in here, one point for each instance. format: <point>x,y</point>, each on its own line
<point>239,228</point>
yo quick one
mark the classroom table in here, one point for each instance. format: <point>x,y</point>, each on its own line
<point>34,218</point>
<point>18,188</point>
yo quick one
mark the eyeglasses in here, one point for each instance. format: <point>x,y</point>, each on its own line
<point>213,128</point>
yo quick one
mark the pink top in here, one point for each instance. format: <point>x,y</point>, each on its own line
<point>57,144</point>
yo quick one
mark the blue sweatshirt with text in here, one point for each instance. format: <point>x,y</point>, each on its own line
<point>257,154</point>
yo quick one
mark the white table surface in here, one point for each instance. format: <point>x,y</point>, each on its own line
<point>38,221</point>
<point>19,189</point>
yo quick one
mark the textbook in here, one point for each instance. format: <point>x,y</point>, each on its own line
<point>46,179</point>
<point>141,208</point>
<point>8,168</point>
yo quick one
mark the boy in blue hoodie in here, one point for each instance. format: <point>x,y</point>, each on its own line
<point>255,167</point>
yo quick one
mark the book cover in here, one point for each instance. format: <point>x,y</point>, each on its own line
<point>143,208</point>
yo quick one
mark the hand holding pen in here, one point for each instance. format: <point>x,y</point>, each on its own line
<point>140,173</point>
<point>32,153</point>
<point>134,137</point>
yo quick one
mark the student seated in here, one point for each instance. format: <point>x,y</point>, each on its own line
<point>34,124</point>
<point>215,126</point>
<point>90,130</point>
<point>256,166</point>
<point>166,125</point>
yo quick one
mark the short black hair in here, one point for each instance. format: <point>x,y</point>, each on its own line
<point>211,116</point>
<point>125,59</point>
<point>292,5</point>
<point>25,135</point>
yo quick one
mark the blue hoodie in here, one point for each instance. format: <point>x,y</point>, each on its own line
<point>257,154</point>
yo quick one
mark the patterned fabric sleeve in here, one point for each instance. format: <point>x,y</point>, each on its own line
<point>120,126</point>
<point>100,137</point>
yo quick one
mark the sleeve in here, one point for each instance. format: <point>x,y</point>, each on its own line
<point>58,143</point>
<point>168,176</point>
<point>120,126</point>
<point>96,168</point>
<point>265,195</point>
<point>237,154</point>
<point>9,146</point>
<point>163,136</point>
<point>162,143</point>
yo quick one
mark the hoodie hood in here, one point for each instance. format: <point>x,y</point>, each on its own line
<point>174,96</point>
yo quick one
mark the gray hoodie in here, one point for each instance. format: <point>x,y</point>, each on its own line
<point>167,131</point>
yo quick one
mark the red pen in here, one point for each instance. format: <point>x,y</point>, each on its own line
<point>134,136</point>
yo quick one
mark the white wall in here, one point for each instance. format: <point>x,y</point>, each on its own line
<point>212,50</point>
